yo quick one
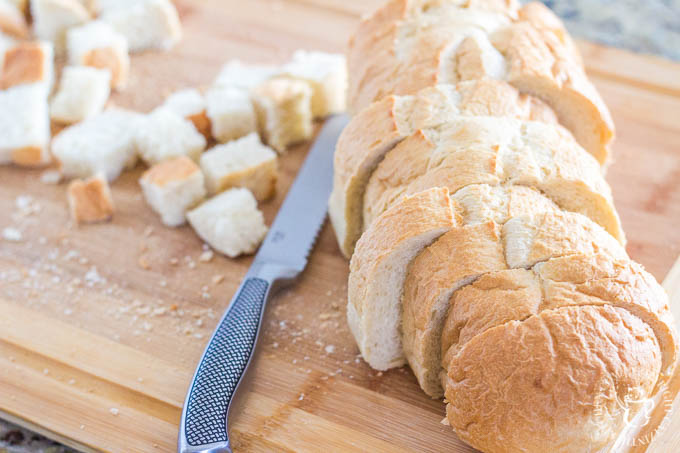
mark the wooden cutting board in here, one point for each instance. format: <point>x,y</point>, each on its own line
<point>101,326</point>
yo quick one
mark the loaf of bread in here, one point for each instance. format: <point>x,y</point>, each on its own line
<point>486,252</point>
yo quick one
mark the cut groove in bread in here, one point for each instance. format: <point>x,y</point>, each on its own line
<point>486,150</point>
<point>408,45</point>
<point>379,128</point>
<point>461,256</point>
<point>378,268</point>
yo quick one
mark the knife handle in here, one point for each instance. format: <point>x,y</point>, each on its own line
<point>204,419</point>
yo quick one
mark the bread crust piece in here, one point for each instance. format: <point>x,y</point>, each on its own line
<point>574,338</point>
<point>379,128</point>
<point>408,45</point>
<point>520,233</point>
<point>485,150</point>
<point>378,269</point>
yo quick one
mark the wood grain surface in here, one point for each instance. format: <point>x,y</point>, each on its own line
<point>101,326</point>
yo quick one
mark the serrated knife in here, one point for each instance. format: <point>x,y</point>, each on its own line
<point>282,257</point>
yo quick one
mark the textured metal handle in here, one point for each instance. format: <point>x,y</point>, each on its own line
<point>204,422</point>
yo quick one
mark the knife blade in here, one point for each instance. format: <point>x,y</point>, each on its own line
<point>281,258</point>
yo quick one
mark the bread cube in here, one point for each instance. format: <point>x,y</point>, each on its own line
<point>242,163</point>
<point>90,201</point>
<point>21,5</point>
<point>104,143</point>
<point>191,105</point>
<point>98,45</point>
<point>326,74</point>
<point>172,187</point>
<point>230,222</point>
<point>12,20</point>
<point>51,19</point>
<point>24,125</point>
<point>147,24</point>
<point>164,135</point>
<point>28,63</point>
<point>236,74</point>
<point>6,42</point>
<point>231,113</point>
<point>82,93</point>
<point>284,114</point>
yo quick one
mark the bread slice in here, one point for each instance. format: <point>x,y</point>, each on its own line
<point>164,135</point>
<point>146,24</point>
<point>98,45</point>
<point>28,62</point>
<point>90,200</point>
<point>230,222</point>
<point>12,20</point>
<point>406,46</point>
<point>51,19</point>
<point>244,76</point>
<point>485,150</point>
<point>378,269</point>
<point>379,128</point>
<point>83,92</point>
<point>230,112</point>
<point>326,74</point>
<point>172,187</point>
<point>521,239</point>
<point>595,328</point>
<point>104,143</point>
<point>284,115</point>
<point>190,104</point>
<point>245,162</point>
<point>25,134</point>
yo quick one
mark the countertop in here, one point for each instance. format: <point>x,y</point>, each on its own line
<point>651,26</point>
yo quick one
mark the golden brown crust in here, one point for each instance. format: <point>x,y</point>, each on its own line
<point>409,45</point>
<point>177,169</point>
<point>90,200</point>
<point>558,381</point>
<point>202,123</point>
<point>29,156</point>
<point>108,58</point>
<point>493,151</point>
<point>24,63</point>
<point>466,253</point>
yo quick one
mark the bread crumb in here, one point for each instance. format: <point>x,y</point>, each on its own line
<point>71,382</point>
<point>50,177</point>
<point>82,427</point>
<point>46,371</point>
<point>12,234</point>
<point>174,261</point>
<point>301,397</point>
<point>217,279</point>
<point>445,422</point>
<point>330,349</point>
<point>114,411</point>
<point>206,256</point>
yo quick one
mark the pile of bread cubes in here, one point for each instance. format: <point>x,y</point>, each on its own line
<point>252,113</point>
